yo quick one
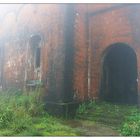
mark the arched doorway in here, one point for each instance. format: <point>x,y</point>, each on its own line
<point>119,75</point>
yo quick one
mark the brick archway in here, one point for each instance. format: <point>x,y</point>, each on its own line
<point>119,74</point>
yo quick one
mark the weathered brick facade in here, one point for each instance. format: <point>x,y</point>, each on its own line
<point>72,40</point>
<point>97,26</point>
<point>17,28</point>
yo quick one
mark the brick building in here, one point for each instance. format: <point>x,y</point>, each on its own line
<point>78,51</point>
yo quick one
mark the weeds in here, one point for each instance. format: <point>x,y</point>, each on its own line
<point>84,107</point>
<point>23,114</point>
<point>124,118</point>
<point>131,126</point>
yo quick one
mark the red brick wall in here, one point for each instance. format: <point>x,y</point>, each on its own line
<point>106,24</point>
<point>47,20</point>
<point>94,28</point>
<point>80,53</point>
<point>106,29</point>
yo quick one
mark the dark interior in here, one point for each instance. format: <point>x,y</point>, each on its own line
<point>119,77</point>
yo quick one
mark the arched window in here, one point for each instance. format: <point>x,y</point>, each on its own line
<point>37,58</point>
<point>35,45</point>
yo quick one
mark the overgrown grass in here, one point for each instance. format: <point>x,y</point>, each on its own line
<point>131,126</point>
<point>23,114</point>
<point>124,118</point>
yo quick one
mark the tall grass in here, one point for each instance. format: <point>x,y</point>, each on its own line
<point>17,109</point>
<point>23,113</point>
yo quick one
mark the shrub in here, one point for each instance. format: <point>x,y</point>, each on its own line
<point>17,108</point>
<point>6,116</point>
<point>131,127</point>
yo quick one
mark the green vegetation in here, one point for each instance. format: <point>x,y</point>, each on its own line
<point>23,114</point>
<point>123,118</point>
<point>131,127</point>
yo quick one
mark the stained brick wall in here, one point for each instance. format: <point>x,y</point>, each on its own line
<point>97,27</point>
<point>17,27</point>
<point>74,38</point>
<point>80,53</point>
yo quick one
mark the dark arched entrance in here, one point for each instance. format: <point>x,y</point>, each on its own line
<point>119,75</point>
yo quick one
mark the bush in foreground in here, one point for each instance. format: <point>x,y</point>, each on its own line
<point>131,126</point>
